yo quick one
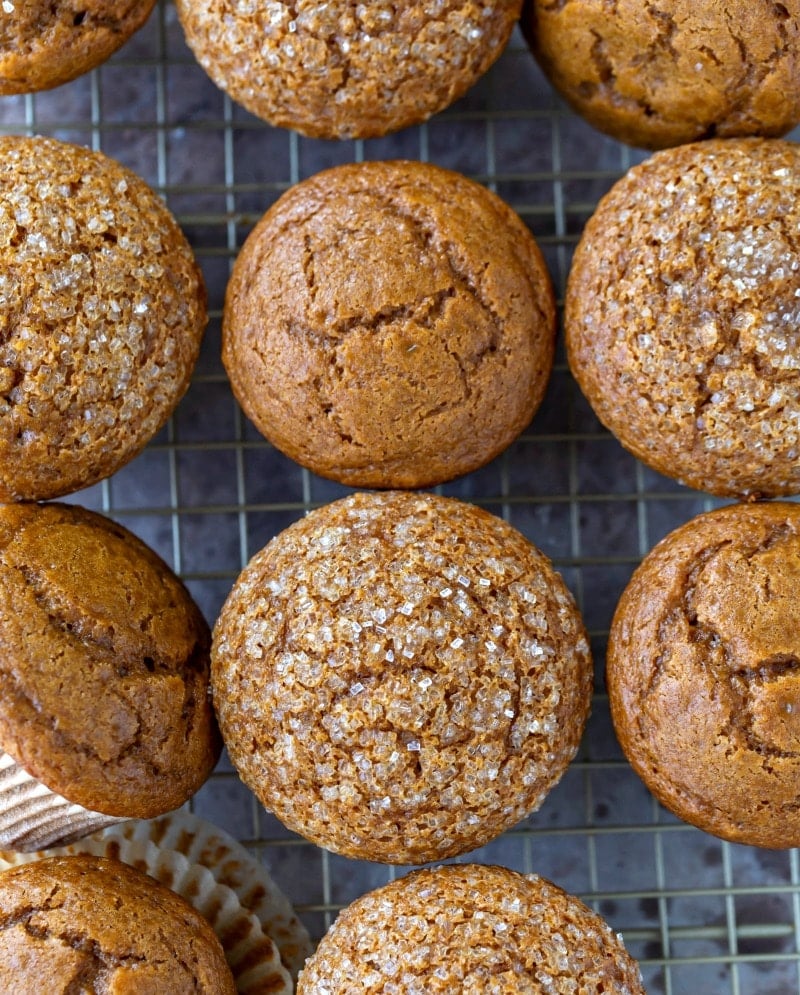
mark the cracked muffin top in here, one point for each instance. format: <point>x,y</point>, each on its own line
<point>400,677</point>
<point>103,310</point>
<point>389,324</point>
<point>44,43</point>
<point>672,71</point>
<point>104,662</point>
<point>683,315</point>
<point>90,924</point>
<point>471,929</point>
<point>704,673</point>
<point>343,69</point>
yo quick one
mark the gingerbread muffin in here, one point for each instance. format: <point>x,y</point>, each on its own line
<point>347,70</point>
<point>389,324</point>
<point>667,74</point>
<point>264,943</point>
<point>81,924</point>
<point>400,677</point>
<point>104,660</point>
<point>703,673</point>
<point>470,929</point>
<point>103,312</point>
<point>44,44</point>
<point>683,315</point>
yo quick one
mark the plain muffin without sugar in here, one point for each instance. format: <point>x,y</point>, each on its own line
<point>80,924</point>
<point>104,678</point>
<point>44,43</point>
<point>683,315</point>
<point>103,311</point>
<point>347,70</point>
<point>704,672</point>
<point>473,930</point>
<point>389,324</point>
<point>665,74</point>
<point>265,944</point>
<point>400,677</point>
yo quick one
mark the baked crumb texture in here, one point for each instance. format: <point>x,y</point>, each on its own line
<point>104,662</point>
<point>704,673</point>
<point>44,43</point>
<point>103,309</point>
<point>682,315</point>
<point>469,928</point>
<point>390,324</point>
<point>342,69</point>
<point>88,924</point>
<point>672,71</point>
<point>400,677</point>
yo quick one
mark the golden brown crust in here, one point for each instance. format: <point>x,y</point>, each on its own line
<point>70,924</point>
<point>104,662</point>
<point>673,71</point>
<point>103,312</point>
<point>682,315</point>
<point>704,673</point>
<point>400,677</point>
<point>389,324</point>
<point>44,44</point>
<point>470,929</point>
<point>343,69</point>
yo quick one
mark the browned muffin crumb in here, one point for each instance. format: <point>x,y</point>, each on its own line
<point>87,924</point>
<point>103,311</point>
<point>704,673</point>
<point>342,69</point>
<point>44,43</point>
<point>400,677</point>
<point>474,930</point>
<point>667,73</point>
<point>389,324</point>
<point>682,317</point>
<point>103,664</point>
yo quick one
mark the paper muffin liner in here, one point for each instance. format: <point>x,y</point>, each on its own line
<point>264,942</point>
<point>32,817</point>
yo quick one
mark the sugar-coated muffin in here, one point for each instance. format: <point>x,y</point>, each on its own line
<point>473,930</point>
<point>703,672</point>
<point>389,324</point>
<point>88,924</point>
<point>103,312</point>
<point>683,315</point>
<point>400,677</point>
<point>104,667</point>
<point>347,70</point>
<point>662,75</point>
<point>44,43</point>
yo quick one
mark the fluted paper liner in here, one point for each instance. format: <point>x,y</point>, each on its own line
<point>264,942</point>
<point>32,817</point>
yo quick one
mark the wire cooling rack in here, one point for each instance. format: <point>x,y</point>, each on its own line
<point>702,916</point>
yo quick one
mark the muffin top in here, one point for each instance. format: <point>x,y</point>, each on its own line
<point>671,73</point>
<point>682,316</point>
<point>103,664</point>
<point>469,928</point>
<point>346,70</point>
<point>703,672</point>
<point>389,324</point>
<point>400,677</point>
<point>45,43</point>
<point>103,311</point>
<point>80,924</point>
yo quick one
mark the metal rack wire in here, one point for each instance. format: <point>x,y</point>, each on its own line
<point>703,916</point>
